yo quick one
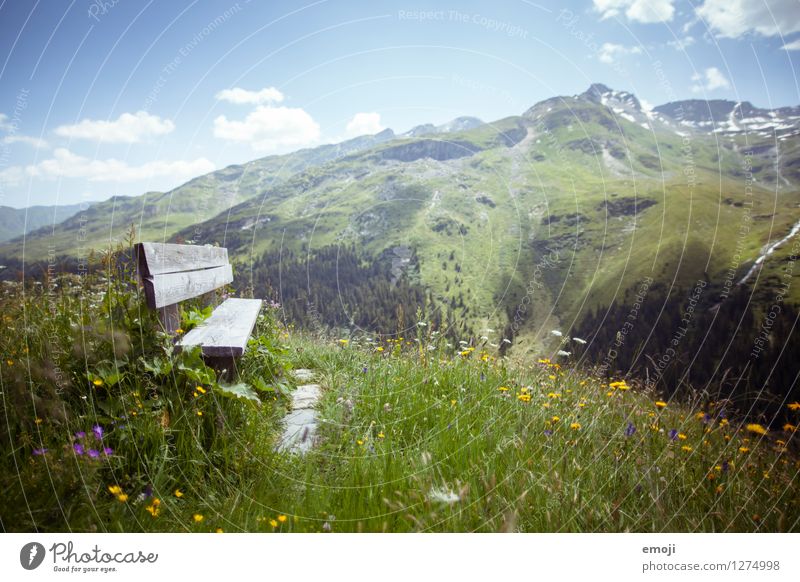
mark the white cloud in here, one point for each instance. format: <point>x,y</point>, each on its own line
<point>65,164</point>
<point>733,18</point>
<point>681,44</point>
<point>792,46</point>
<point>4,124</point>
<point>364,124</point>
<point>710,80</point>
<point>34,142</point>
<point>241,96</point>
<point>127,128</point>
<point>609,52</point>
<point>270,128</point>
<point>644,11</point>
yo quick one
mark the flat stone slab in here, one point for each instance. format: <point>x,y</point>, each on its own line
<point>303,374</point>
<point>300,427</point>
<point>306,396</point>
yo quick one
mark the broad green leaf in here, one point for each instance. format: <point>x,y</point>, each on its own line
<point>240,390</point>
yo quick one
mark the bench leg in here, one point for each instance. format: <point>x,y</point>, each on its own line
<point>169,318</point>
<point>225,366</point>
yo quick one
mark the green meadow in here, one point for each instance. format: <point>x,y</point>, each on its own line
<point>106,427</point>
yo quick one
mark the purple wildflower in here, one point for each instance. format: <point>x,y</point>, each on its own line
<point>148,492</point>
<point>107,451</point>
<point>80,434</point>
<point>548,432</point>
<point>630,430</point>
<point>93,453</point>
<point>98,431</point>
<point>78,448</point>
<point>724,466</point>
<point>39,452</point>
<point>673,434</point>
<point>706,418</point>
<point>364,369</point>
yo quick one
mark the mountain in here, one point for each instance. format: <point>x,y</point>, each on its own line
<point>453,126</point>
<point>159,215</point>
<point>731,118</point>
<point>15,222</point>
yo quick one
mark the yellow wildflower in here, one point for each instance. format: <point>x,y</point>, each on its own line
<point>273,523</point>
<point>524,397</point>
<point>219,530</point>
<point>97,382</point>
<point>359,442</point>
<point>38,420</point>
<point>789,427</point>
<point>744,450</point>
<point>503,389</point>
<point>282,518</point>
<point>154,508</point>
<point>686,448</point>
<point>575,426</point>
<point>122,497</point>
<point>199,413</point>
<point>381,435</point>
<point>682,436</point>
<point>179,330</point>
<point>556,419</point>
<point>201,390</point>
<point>793,406</point>
<point>197,518</point>
<point>756,428</point>
<point>660,404</point>
<point>114,489</point>
<point>178,493</point>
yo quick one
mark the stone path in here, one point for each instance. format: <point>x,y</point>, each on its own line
<point>300,425</point>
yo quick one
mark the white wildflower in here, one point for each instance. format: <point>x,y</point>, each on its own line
<point>579,340</point>
<point>444,496</point>
<point>556,333</point>
<point>563,353</point>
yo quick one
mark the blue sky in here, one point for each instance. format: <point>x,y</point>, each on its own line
<point>101,98</point>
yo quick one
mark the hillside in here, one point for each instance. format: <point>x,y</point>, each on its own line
<point>159,215</point>
<point>131,436</point>
<point>15,222</point>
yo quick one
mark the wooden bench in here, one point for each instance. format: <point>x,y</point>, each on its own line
<point>172,273</point>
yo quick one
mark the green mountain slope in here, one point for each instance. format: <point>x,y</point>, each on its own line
<point>15,222</point>
<point>533,221</point>
<point>159,215</point>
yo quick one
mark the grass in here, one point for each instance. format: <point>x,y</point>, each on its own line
<point>413,436</point>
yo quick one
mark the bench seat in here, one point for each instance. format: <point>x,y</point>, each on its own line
<point>225,333</point>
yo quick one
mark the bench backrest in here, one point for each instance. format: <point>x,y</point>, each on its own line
<point>172,273</point>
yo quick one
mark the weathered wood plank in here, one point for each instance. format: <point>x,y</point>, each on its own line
<point>226,332</point>
<point>163,258</point>
<point>163,290</point>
